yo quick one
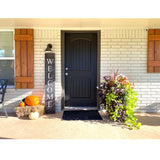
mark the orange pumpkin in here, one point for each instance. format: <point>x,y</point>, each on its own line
<point>32,100</point>
<point>22,104</point>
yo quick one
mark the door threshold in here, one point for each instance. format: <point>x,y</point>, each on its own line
<point>67,108</point>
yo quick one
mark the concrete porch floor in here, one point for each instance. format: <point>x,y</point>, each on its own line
<point>52,127</point>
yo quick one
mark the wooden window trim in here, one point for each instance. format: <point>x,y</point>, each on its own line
<point>24,59</point>
<point>153,59</point>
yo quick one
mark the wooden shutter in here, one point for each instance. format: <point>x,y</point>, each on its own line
<point>153,51</point>
<point>24,58</point>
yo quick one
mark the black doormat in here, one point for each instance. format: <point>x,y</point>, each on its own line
<point>81,115</point>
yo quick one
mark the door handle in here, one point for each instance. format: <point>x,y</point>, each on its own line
<point>66,74</point>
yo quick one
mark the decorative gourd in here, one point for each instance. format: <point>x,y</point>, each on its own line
<point>34,115</point>
<point>32,100</point>
<point>22,104</point>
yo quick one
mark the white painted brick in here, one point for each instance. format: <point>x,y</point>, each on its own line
<point>133,53</point>
<point>121,48</point>
<point>41,38</point>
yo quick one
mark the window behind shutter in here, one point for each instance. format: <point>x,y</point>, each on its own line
<point>153,51</point>
<point>24,58</point>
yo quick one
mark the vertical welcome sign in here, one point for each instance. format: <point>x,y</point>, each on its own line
<point>49,82</point>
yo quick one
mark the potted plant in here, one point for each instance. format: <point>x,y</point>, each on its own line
<point>119,98</point>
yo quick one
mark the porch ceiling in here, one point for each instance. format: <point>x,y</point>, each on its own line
<point>79,22</point>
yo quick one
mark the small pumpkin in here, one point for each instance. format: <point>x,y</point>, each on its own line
<point>32,100</point>
<point>34,115</point>
<point>22,104</point>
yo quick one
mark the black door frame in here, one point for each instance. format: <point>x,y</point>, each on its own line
<point>98,32</point>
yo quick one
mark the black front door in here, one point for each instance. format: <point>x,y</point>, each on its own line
<point>80,69</point>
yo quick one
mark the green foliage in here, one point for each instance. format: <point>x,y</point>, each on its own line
<point>130,100</point>
<point>119,97</point>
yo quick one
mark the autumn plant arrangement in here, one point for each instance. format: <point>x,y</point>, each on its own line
<point>119,98</point>
<point>30,107</point>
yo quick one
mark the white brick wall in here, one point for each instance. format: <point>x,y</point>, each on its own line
<point>123,49</point>
<point>41,38</point>
<point>126,50</point>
